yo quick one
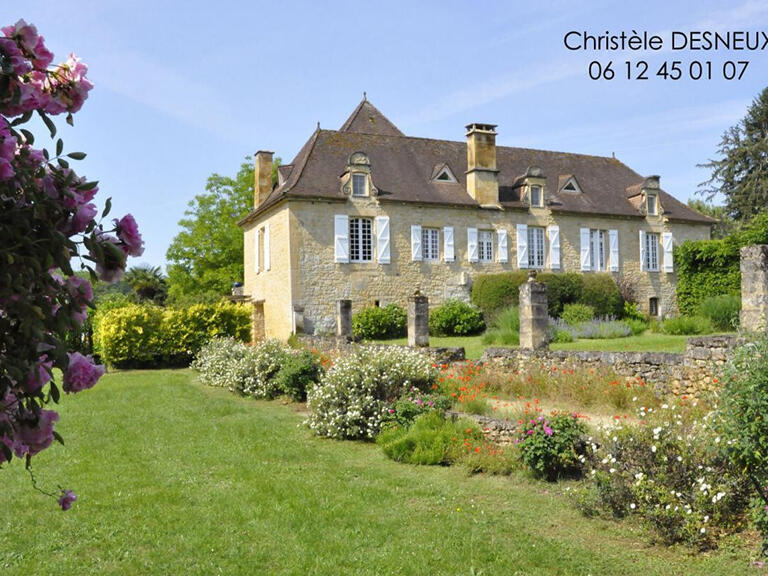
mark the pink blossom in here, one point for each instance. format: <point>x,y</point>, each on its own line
<point>128,232</point>
<point>40,374</point>
<point>69,86</point>
<point>18,62</point>
<point>79,221</point>
<point>66,499</point>
<point>34,436</point>
<point>548,430</point>
<point>6,170</point>
<point>81,373</point>
<point>81,294</point>
<point>111,267</point>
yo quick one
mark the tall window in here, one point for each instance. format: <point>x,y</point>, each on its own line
<point>653,209</point>
<point>653,306</point>
<point>260,255</point>
<point>485,246</point>
<point>651,252</point>
<point>430,243</point>
<point>360,240</point>
<point>597,259</point>
<point>536,199</point>
<point>358,185</point>
<point>535,247</point>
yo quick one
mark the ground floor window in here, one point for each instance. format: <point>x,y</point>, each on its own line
<point>653,306</point>
<point>360,240</point>
<point>430,243</point>
<point>485,246</point>
<point>535,247</point>
<point>651,252</point>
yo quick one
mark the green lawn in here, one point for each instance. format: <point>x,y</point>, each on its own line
<point>473,345</point>
<point>175,478</point>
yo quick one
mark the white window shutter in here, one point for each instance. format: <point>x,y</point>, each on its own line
<point>613,242</point>
<point>382,239</point>
<point>554,247</point>
<point>668,242</point>
<point>586,247</point>
<point>522,246</point>
<point>642,251</point>
<point>267,261</point>
<point>256,250</point>
<point>416,243</point>
<point>341,238</point>
<point>449,252</point>
<point>472,254</point>
<point>503,248</point>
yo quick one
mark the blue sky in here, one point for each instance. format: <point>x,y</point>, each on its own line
<point>185,89</point>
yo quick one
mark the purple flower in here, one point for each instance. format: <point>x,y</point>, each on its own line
<point>128,233</point>
<point>33,436</point>
<point>39,375</point>
<point>81,373</point>
<point>547,430</point>
<point>81,293</point>
<point>79,221</point>
<point>66,499</point>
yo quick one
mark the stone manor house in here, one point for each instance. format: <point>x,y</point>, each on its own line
<point>370,214</point>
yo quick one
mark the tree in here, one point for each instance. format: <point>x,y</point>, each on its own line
<point>741,174</point>
<point>206,257</point>
<point>725,225</point>
<point>147,283</point>
<point>46,221</point>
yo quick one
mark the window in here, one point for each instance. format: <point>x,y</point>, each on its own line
<point>570,187</point>
<point>260,255</point>
<point>536,196</point>
<point>360,240</point>
<point>652,205</point>
<point>359,185</point>
<point>651,252</point>
<point>653,306</point>
<point>597,257</point>
<point>430,243</point>
<point>535,247</point>
<point>485,245</point>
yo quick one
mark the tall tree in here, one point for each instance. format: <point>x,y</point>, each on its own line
<point>206,257</point>
<point>741,174</point>
<point>148,283</point>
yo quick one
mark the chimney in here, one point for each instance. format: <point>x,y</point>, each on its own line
<point>482,175</point>
<point>262,181</point>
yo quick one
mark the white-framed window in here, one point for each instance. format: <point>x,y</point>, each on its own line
<point>536,196</point>
<point>653,205</point>
<point>535,247</point>
<point>485,245</point>
<point>651,252</point>
<point>430,243</point>
<point>597,254</point>
<point>359,185</point>
<point>360,240</point>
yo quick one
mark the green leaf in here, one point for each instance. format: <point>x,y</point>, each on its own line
<point>48,122</point>
<point>107,207</point>
<point>76,155</point>
<point>55,394</point>
<point>59,147</point>
<point>30,138</point>
<point>63,163</point>
<point>58,438</point>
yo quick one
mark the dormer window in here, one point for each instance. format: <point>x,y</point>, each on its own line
<point>444,176</point>
<point>653,207</point>
<point>537,197</point>
<point>442,173</point>
<point>359,185</point>
<point>570,185</point>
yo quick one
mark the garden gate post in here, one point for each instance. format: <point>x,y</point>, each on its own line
<point>418,320</point>
<point>754,288</point>
<point>344,318</point>
<point>534,316</point>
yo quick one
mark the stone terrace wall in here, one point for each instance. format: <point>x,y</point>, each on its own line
<point>339,346</point>
<point>691,373</point>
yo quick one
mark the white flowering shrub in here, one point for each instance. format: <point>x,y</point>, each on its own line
<point>352,397</point>
<point>671,470</point>
<point>249,370</point>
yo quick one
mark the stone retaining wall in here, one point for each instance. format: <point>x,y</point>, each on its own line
<point>337,346</point>
<point>691,373</point>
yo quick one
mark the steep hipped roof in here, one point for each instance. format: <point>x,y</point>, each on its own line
<point>402,169</point>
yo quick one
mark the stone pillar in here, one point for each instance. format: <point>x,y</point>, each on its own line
<point>534,316</point>
<point>344,318</point>
<point>754,288</point>
<point>418,320</point>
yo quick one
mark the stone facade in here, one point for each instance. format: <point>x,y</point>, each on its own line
<point>692,373</point>
<point>754,288</point>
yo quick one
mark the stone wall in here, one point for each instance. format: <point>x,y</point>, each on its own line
<point>340,346</point>
<point>692,373</point>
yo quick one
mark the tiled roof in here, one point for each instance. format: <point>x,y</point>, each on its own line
<point>403,168</point>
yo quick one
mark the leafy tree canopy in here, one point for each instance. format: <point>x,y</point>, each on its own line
<point>725,225</point>
<point>206,257</point>
<point>741,173</point>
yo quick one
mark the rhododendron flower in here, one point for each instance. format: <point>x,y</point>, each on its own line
<point>40,374</point>
<point>81,293</point>
<point>32,436</point>
<point>128,232</point>
<point>81,373</point>
<point>66,499</point>
<point>79,221</point>
<point>111,268</point>
<point>27,37</point>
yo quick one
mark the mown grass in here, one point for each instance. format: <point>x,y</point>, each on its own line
<point>175,478</point>
<point>648,342</point>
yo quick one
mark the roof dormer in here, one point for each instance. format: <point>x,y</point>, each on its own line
<point>569,184</point>
<point>356,181</point>
<point>534,187</point>
<point>443,173</point>
<point>650,196</point>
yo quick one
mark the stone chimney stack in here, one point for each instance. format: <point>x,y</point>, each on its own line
<point>262,181</point>
<point>482,175</point>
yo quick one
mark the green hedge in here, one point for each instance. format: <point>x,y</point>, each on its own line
<point>374,323</point>
<point>711,267</point>
<point>137,336</point>
<point>455,318</point>
<point>495,292</point>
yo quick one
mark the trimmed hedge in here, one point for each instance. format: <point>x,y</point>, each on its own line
<point>455,318</point>
<point>140,336</point>
<point>711,267</point>
<point>376,323</point>
<point>495,292</point>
